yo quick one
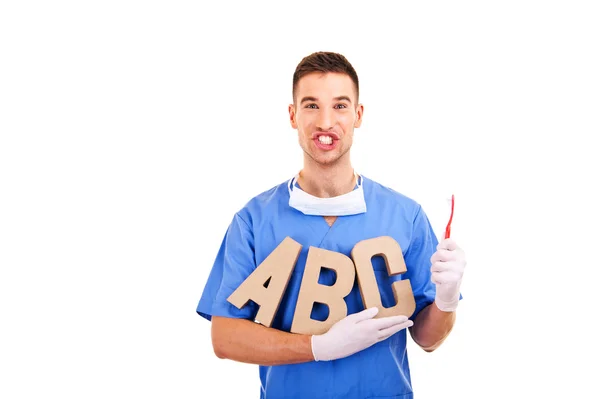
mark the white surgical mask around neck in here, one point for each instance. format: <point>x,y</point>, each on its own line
<point>351,203</point>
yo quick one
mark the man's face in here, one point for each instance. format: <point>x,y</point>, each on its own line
<point>325,114</point>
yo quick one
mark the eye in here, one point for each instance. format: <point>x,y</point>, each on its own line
<point>341,106</point>
<point>313,106</point>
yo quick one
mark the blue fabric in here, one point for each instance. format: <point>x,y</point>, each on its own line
<point>379,371</point>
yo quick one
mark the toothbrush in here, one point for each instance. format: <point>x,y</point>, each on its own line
<point>447,235</point>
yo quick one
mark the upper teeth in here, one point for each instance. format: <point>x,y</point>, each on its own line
<point>325,139</point>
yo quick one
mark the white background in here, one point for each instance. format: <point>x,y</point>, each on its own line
<point>132,131</point>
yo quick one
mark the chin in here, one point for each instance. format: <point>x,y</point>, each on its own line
<point>329,160</point>
<point>323,158</point>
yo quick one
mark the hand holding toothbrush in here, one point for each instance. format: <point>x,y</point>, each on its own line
<point>447,268</point>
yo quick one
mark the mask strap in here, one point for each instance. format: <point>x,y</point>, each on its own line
<point>291,183</point>
<point>359,180</point>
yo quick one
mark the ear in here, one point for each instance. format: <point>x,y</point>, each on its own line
<point>359,114</point>
<point>292,111</point>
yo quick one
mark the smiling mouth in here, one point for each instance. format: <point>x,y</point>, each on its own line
<point>326,142</point>
<point>324,139</point>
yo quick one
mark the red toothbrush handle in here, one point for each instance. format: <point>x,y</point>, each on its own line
<point>447,235</point>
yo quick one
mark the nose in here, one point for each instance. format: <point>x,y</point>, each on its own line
<point>326,119</point>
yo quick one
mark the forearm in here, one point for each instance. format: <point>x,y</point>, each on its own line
<point>249,342</point>
<point>431,327</point>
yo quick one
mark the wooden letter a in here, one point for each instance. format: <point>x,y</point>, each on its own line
<point>276,269</point>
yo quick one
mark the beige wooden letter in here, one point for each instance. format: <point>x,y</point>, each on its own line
<point>311,291</point>
<point>390,250</point>
<point>277,267</point>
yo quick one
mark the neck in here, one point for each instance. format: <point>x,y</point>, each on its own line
<point>327,180</point>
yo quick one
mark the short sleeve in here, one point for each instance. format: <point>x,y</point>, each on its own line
<point>418,261</point>
<point>235,261</point>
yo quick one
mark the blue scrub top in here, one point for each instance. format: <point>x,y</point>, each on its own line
<point>381,370</point>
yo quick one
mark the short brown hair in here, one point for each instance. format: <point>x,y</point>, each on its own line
<point>323,61</point>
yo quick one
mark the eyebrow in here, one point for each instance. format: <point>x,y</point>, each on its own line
<point>342,98</point>
<point>339,98</point>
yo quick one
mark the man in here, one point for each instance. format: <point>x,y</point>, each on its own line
<point>328,206</point>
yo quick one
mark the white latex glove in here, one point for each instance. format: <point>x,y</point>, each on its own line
<point>356,332</point>
<point>447,268</point>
